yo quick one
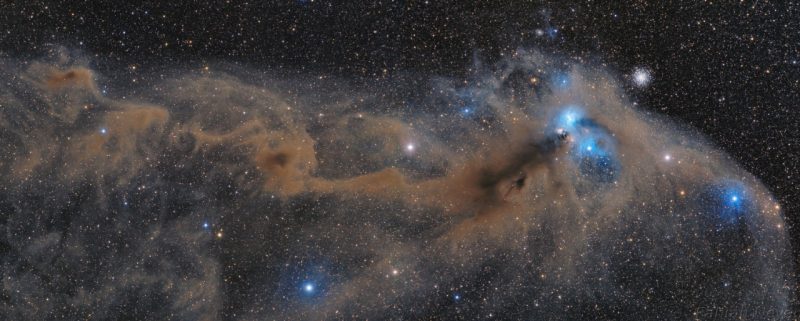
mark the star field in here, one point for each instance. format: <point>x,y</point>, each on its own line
<point>322,160</point>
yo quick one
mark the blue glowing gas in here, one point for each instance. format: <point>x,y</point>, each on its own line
<point>595,157</point>
<point>733,201</point>
<point>727,201</point>
<point>593,147</point>
<point>561,80</point>
<point>308,287</point>
<point>568,118</point>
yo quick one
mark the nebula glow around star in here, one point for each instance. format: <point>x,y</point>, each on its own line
<point>258,197</point>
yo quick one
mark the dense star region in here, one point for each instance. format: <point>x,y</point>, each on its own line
<point>399,160</point>
<point>532,188</point>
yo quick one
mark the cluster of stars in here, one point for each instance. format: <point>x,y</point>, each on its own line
<point>641,77</point>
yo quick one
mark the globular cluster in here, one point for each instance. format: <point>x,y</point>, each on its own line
<point>532,189</point>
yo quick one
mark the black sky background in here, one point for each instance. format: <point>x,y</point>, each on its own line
<point>732,70</point>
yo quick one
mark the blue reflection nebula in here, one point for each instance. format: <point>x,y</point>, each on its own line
<point>595,158</point>
<point>470,102</point>
<point>552,32</point>
<point>732,201</point>
<point>593,149</point>
<point>561,80</point>
<point>726,202</point>
<point>569,117</point>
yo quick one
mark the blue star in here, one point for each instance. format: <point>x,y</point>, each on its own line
<point>733,195</point>
<point>728,201</point>
<point>561,80</point>
<point>733,199</point>
<point>469,101</point>
<point>552,32</point>
<point>103,131</point>
<point>308,287</point>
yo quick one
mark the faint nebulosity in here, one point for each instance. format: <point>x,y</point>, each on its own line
<point>528,186</point>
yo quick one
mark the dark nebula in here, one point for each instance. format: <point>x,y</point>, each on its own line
<point>218,192</point>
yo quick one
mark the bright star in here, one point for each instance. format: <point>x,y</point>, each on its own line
<point>308,287</point>
<point>410,147</point>
<point>561,80</point>
<point>103,131</point>
<point>552,32</point>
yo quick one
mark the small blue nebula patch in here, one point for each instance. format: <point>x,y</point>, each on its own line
<point>594,154</point>
<point>561,81</point>
<point>601,168</point>
<point>726,202</point>
<point>568,118</point>
<point>593,147</point>
<point>552,32</point>
<point>470,102</point>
